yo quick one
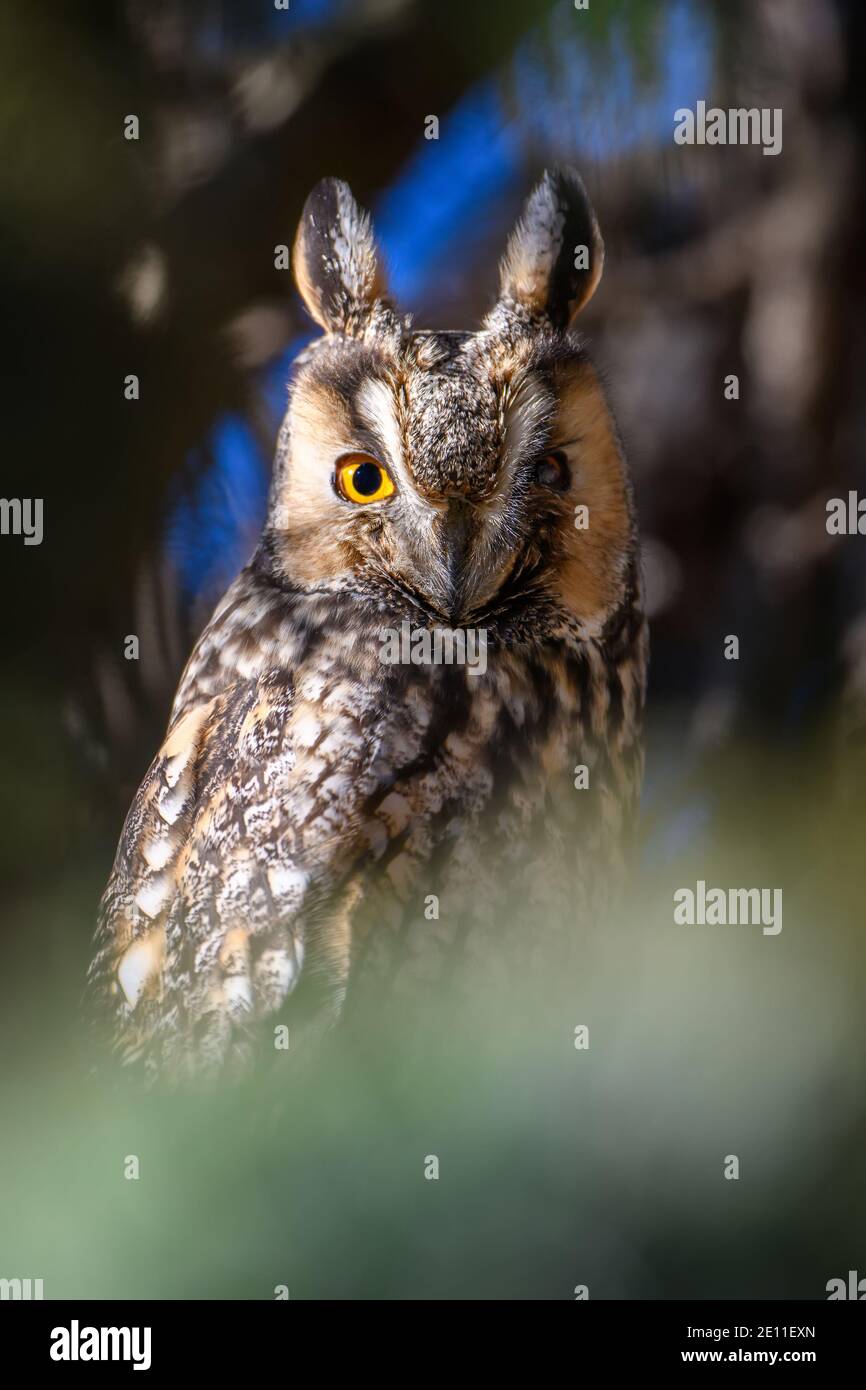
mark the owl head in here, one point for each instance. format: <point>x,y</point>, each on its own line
<point>468,475</point>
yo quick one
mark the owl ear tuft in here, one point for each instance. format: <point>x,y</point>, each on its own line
<point>335,260</point>
<point>555,253</point>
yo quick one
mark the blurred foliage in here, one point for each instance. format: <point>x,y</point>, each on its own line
<point>557,1166</point>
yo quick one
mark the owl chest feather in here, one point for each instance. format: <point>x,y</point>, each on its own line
<point>312,797</point>
<point>496,745</point>
<point>431,757</point>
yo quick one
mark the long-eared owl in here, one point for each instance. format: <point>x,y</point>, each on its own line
<point>327,773</point>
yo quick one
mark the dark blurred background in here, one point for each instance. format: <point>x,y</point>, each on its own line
<point>155,257</point>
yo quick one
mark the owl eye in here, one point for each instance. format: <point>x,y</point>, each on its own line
<point>362,479</point>
<point>551,470</point>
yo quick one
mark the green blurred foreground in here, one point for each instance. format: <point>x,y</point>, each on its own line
<point>558,1166</point>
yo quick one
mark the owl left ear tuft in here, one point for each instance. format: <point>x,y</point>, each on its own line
<point>555,253</point>
<point>335,260</point>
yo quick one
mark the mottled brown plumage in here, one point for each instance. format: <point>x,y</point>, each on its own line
<point>310,796</point>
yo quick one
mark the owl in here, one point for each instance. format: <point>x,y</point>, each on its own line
<point>406,747</point>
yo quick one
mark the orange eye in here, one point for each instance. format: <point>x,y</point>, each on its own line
<point>362,479</point>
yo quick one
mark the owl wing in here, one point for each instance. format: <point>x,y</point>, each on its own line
<point>243,853</point>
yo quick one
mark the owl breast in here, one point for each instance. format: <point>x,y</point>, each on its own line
<point>319,812</point>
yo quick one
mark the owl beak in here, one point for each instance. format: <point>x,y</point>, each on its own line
<point>458,529</point>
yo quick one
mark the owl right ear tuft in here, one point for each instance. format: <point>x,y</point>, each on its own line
<point>555,253</point>
<point>335,260</point>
